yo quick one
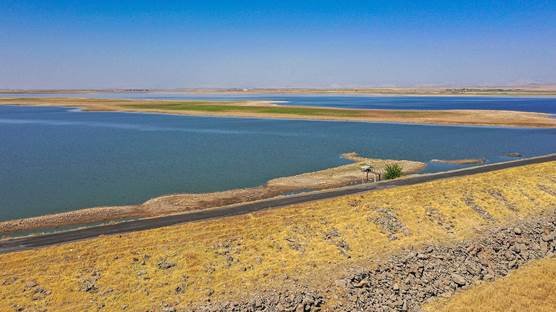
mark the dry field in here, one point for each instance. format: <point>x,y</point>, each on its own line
<point>308,246</point>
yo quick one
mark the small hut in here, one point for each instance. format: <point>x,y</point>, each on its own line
<point>366,169</point>
<point>369,169</point>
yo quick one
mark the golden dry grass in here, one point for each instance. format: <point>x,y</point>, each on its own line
<point>530,288</point>
<point>237,256</point>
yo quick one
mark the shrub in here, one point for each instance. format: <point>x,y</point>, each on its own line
<point>392,171</point>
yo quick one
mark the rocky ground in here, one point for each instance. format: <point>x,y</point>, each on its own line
<point>413,277</point>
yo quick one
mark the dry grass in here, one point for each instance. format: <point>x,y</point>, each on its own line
<point>530,288</point>
<point>234,257</point>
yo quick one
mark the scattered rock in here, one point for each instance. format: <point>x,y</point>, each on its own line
<point>294,244</point>
<point>513,264</point>
<point>165,307</point>
<point>421,256</point>
<point>500,197</point>
<point>458,279</point>
<point>389,223</point>
<point>335,238</point>
<point>88,284</point>
<point>300,300</point>
<point>165,264</point>
<point>31,284</point>
<point>470,202</point>
<point>362,283</point>
<point>331,234</point>
<point>9,281</point>
<point>407,280</point>
<point>547,189</point>
<point>227,249</point>
<point>548,236</point>
<point>437,217</point>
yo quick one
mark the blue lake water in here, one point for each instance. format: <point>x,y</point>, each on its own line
<point>527,104</point>
<point>60,159</point>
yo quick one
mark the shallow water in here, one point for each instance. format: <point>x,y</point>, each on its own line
<point>59,159</point>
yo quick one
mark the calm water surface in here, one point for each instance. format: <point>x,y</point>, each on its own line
<point>527,104</point>
<point>59,159</point>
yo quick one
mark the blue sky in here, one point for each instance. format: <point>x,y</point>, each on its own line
<point>165,44</point>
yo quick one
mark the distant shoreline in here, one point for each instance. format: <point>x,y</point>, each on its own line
<point>272,110</point>
<point>540,90</point>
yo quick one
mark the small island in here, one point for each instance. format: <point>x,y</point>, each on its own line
<point>273,110</point>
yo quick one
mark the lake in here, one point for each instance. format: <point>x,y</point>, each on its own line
<point>60,159</point>
<point>541,104</point>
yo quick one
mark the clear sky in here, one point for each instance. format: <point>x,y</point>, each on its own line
<point>158,44</point>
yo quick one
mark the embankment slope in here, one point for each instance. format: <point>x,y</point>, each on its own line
<point>320,255</point>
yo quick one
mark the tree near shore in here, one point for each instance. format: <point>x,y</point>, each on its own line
<point>392,171</point>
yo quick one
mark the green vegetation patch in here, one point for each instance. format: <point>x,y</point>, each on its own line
<point>220,107</point>
<point>392,171</point>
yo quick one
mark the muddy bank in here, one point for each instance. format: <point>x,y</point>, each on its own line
<point>76,217</point>
<point>179,203</point>
<point>468,161</point>
<point>409,279</point>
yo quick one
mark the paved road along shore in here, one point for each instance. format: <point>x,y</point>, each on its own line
<point>22,243</point>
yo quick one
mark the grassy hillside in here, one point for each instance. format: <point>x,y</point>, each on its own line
<point>313,244</point>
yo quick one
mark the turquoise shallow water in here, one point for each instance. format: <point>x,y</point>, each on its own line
<point>59,159</point>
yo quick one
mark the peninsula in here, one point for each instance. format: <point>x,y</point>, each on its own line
<point>171,204</point>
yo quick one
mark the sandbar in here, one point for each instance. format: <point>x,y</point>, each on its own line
<point>273,110</point>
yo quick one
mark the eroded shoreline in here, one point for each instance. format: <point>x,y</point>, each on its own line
<point>180,203</point>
